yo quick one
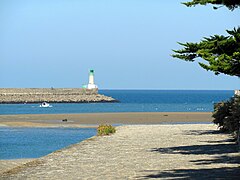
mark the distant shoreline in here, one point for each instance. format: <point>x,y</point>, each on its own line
<point>94,119</point>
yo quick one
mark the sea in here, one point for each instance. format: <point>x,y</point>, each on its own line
<point>20,142</point>
<point>132,101</point>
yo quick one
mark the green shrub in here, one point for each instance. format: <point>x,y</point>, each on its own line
<point>105,130</point>
<point>221,113</point>
<point>232,123</point>
<point>227,115</point>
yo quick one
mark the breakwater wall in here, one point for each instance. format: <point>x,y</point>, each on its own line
<point>51,95</point>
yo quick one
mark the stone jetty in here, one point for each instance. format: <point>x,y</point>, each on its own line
<point>51,95</point>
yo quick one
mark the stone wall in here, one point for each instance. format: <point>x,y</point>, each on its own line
<point>51,95</point>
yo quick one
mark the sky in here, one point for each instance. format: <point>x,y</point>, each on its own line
<point>54,43</point>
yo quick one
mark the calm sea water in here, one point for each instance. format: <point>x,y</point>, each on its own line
<point>132,101</point>
<point>36,142</point>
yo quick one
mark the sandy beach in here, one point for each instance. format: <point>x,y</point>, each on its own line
<point>183,151</point>
<point>93,119</point>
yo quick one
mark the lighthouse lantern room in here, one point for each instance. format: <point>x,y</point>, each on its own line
<point>91,84</point>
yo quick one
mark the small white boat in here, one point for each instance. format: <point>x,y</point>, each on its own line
<point>45,104</point>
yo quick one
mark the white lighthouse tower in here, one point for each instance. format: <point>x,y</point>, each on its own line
<point>91,84</point>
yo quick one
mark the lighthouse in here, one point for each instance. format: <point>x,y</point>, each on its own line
<point>91,84</point>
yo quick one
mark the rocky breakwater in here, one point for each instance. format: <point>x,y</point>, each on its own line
<point>51,95</point>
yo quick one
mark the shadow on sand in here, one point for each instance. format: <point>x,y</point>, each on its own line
<point>201,174</point>
<point>221,151</point>
<point>203,132</point>
<point>210,149</point>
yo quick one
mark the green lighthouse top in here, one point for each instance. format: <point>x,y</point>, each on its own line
<point>91,71</point>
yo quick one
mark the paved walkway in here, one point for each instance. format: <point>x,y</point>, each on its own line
<point>141,152</point>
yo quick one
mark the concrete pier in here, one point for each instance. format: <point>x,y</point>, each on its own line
<point>51,95</point>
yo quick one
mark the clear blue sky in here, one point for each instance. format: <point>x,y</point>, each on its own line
<point>54,43</point>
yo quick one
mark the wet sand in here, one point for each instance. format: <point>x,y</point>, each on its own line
<point>94,119</point>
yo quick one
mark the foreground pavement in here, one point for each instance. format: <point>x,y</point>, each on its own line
<point>190,151</point>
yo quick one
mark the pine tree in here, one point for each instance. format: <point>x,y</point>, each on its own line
<point>230,4</point>
<point>221,53</point>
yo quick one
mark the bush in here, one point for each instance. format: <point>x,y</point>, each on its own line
<point>227,115</point>
<point>221,113</point>
<point>105,129</point>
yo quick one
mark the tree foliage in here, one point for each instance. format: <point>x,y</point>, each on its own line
<point>227,114</point>
<point>222,53</point>
<point>230,4</point>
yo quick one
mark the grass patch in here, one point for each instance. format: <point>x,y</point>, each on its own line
<point>105,129</point>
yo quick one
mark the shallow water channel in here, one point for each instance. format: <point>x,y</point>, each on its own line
<point>18,142</point>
